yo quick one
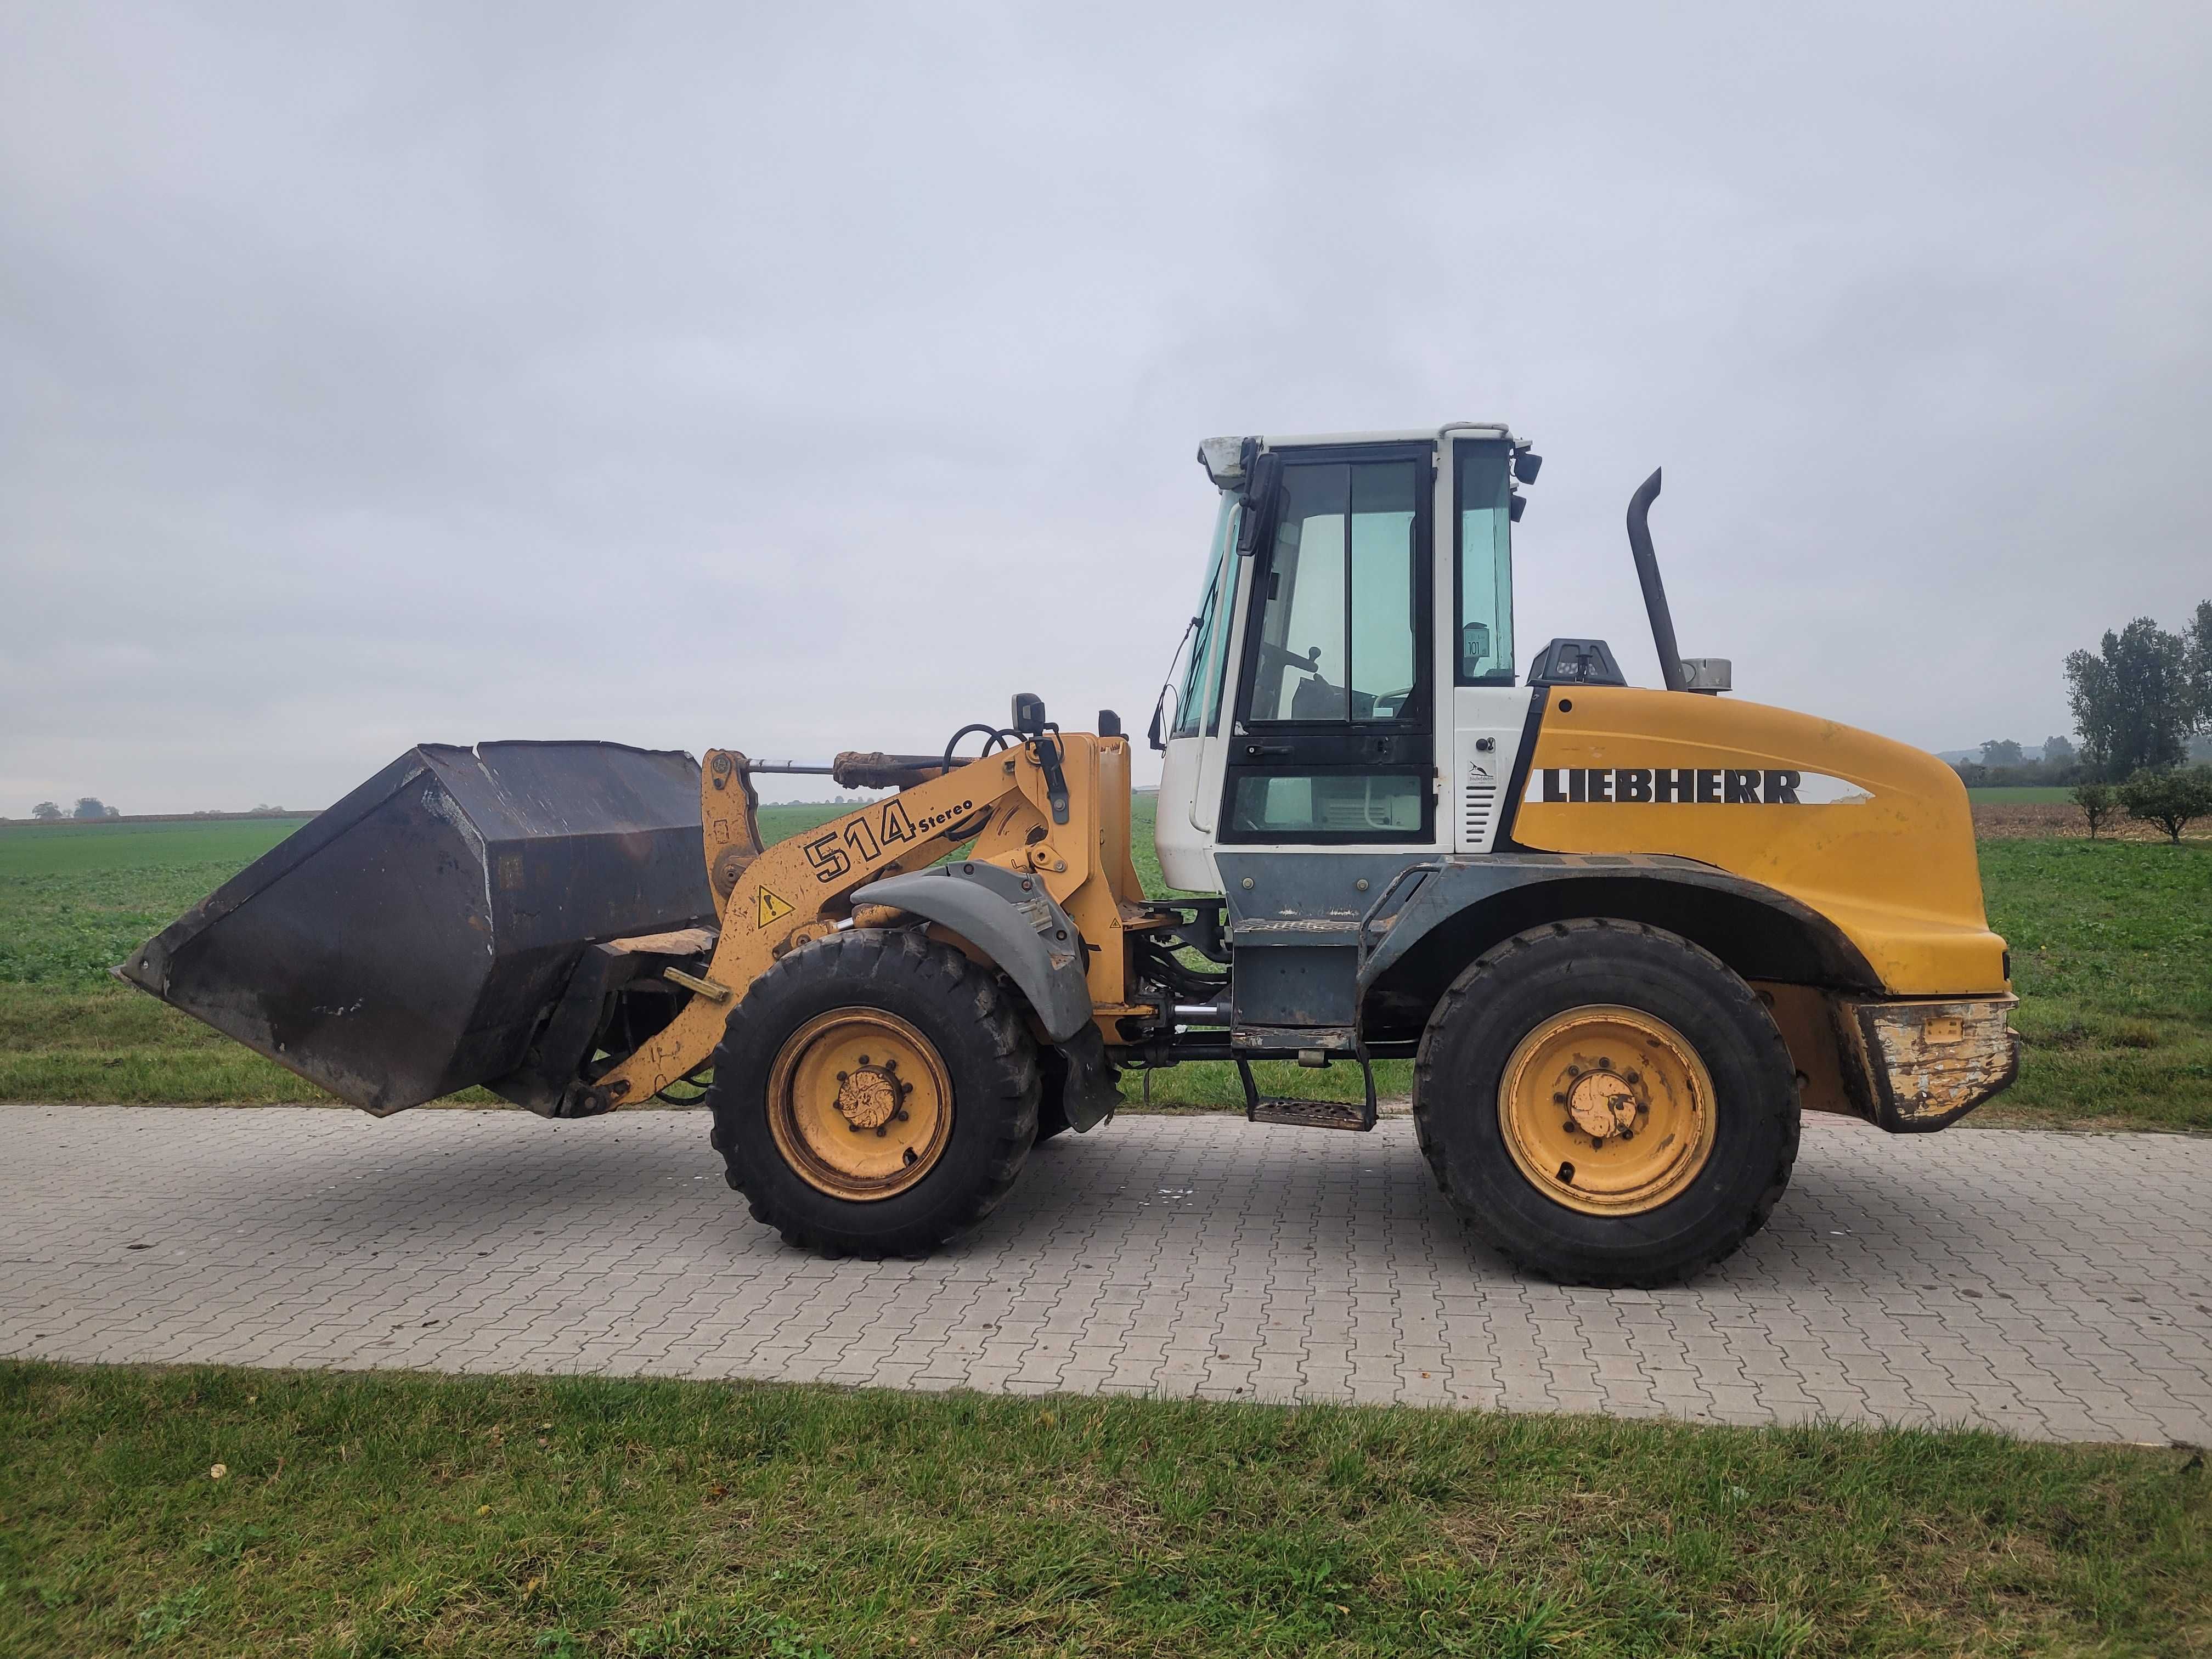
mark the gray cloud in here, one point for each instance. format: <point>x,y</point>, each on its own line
<point>800,381</point>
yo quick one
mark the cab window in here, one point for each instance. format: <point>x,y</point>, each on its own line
<point>1339,637</point>
<point>1198,698</point>
<point>1483,527</point>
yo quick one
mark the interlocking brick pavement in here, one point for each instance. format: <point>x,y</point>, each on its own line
<point>2049,1285</point>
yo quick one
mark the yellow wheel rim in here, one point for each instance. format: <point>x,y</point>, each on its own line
<point>1606,1110</point>
<point>859,1104</point>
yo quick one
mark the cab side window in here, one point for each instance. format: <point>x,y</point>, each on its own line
<point>1339,638</point>
<point>1483,525</point>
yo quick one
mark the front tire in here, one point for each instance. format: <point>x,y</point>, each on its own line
<point>874,1094</point>
<point>1606,1103</point>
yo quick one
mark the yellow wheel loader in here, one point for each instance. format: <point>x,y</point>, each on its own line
<point>1626,936</point>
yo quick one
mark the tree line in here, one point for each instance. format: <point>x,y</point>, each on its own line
<point>88,806</point>
<point>2138,701</point>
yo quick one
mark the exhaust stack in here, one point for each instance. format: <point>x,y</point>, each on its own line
<point>1655,592</point>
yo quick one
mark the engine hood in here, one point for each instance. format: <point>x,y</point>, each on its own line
<point>1875,835</point>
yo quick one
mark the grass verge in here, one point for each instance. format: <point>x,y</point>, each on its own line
<point>2111,955</point>
<point>394,1513</point>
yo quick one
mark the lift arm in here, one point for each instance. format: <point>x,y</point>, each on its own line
<point>775,900</point>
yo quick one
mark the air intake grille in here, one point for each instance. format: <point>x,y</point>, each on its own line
<point>1478,806</point>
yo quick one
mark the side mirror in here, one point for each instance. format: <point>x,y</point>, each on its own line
<point>1262,478</point>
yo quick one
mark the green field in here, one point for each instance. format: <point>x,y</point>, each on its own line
<point>392,1514</point>
<point>76,901</point>
<point>2031,795</point>
<point>2111,956</point>
<point>2112,949</point>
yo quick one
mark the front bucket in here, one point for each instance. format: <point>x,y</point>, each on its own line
<point>407,943</point>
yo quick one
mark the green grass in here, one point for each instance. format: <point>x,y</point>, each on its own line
<point>2111,950</point>
<point>392,1513</point>
<point>76,901</point>
<point>2111,955</point>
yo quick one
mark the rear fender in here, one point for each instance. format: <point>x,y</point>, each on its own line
<point>1013,921</point>
<point>1449,916</point>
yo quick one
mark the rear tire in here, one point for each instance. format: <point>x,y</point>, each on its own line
<point>1510,1090</point>
<point>966,1101</point>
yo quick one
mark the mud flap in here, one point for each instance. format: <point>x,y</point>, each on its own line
<point>1090,1091</point>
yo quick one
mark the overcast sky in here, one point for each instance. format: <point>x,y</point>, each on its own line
<point>800,377</point>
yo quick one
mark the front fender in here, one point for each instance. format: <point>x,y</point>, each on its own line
<point>1012,921</point>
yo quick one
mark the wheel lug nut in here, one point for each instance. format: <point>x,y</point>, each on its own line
<point>864,1059</point>
<point>883,1129</point>
<point>1558,1100</point>
<point>900,1115</point>
<point>843,1076</point>
<point>1569,1126</point>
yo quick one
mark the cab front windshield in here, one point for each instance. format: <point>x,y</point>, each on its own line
<point>1198,704</point>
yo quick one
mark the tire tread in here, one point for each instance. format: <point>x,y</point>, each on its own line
<point>967,991</point>
<point>1500,963</point>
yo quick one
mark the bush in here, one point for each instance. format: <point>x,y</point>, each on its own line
<point>2168,798</point>
<point>2095,800</point>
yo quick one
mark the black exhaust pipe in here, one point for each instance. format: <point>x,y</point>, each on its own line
<point>1655,592</point>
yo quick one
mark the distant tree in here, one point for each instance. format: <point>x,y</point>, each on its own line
<point>2197,650</point>
<point>2170,798</point>
<point>89,807</point>
<point>2057,751</point>
<point>46,811</point>
<point>2000,751</point>
<point>115,811</point>
<point>2095,800</point>
<point>2134,703</point>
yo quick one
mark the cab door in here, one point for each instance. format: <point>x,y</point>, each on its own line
<point>1333,738</point>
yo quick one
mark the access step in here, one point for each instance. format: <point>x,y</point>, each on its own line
<point>1310,1114</point>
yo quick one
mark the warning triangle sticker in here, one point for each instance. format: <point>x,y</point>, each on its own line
<point>768,907</point>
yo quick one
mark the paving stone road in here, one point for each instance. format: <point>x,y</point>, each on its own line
<point>2049,1285</point>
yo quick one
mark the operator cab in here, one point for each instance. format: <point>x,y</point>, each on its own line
<point>1349,683</point>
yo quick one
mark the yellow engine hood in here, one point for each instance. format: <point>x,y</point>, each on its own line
<point>1873,834</point>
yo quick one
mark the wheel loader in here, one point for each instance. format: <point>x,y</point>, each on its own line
<point>1626,936</point>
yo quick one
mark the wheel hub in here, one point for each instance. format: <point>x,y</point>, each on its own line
<point>1603,1105</point>
<point>859,1104</point>
<point>1607,1110</point>
<point>868,1096</point>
